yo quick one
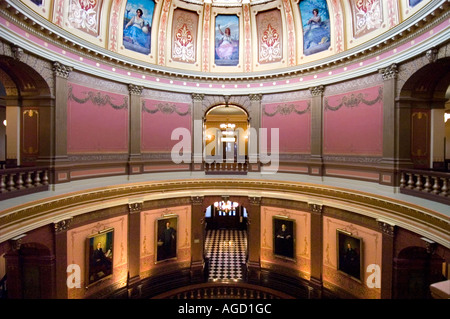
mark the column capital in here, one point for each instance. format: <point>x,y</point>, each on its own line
<point>315,208</point>
<point>386,228</point>
<point>254,200</point>
<point>17,52</point>
<point>16,242</point>
<point>61,70</point>
<point>389,72</point>
<point>197,200</point>
<point>255,97</point>
<point>135,89</point>
<point>197,97</point>
<point>317,90</point>
<point>62,225</point>
<point>135,207</point>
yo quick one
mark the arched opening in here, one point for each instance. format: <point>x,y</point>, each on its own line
<point>426,94</point>
<point>30,272</point>
<point>415,269</point>
<point>226,130</point>
<point>226,240</point>
<point>25,114</point>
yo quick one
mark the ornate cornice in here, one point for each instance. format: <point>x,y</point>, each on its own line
<point>61,70</point>
<point>317,90</point>
<point>62,225</point>
<point>389,72</point>
<point>425,222</point>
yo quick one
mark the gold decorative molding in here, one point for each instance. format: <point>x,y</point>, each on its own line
<point>423,221</point>
<point>62,225</point>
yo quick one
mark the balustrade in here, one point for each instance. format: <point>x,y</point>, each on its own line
<point>428,184</point>
<point>20,181</point>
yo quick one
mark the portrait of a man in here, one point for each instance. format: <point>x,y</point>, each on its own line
<point>284,237</point>
<point>100,256</point>
<point>349,254</point>
<point>166,241</point>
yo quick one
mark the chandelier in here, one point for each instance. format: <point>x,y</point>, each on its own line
<point>226,206</point>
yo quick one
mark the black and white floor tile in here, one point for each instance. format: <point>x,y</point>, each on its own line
<point>226,250</point>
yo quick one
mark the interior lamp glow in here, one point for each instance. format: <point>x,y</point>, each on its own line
<point>446,116</point>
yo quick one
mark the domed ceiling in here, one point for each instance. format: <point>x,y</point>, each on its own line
<point>231,36</point>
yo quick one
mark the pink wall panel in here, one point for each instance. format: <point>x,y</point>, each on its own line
<point>97,122</point>
<point>159,119</point>
<point>353,123</point>
<point>293,119</point>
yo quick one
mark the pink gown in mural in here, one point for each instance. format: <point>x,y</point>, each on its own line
<point>225,49</point>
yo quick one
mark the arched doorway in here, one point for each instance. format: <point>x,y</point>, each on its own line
<point>423,134</point>
<point>415,270</point>
<point>226,130</point>
<point>226,240</point>
<point>25,112</point>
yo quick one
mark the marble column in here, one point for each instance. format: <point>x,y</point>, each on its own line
<point>387,258</point>
<point>315,284</point>
<point>60,232</point>
<point>254,240</point>
<point>197,238</point>
<point>255,123</point>
<point>197,132</point>
<point>134,248</point>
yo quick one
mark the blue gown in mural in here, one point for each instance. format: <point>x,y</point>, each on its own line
<point>136,35</point>
<point>316,36</point>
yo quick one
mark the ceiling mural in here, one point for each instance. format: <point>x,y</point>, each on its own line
<point>226,36</point>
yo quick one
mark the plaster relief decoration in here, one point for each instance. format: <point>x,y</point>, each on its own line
<point>137,25</point>
<point>316,26</point>
<point>184,36</point>
<point>367,16</point>
<point>270,35</point>
<point>227,40</point>
<point>84,15</point>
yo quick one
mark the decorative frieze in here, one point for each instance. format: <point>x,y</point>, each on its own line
<point>389,72</point>
<point>61,70</point>
<point>62,225</point>
<point>317,90</point>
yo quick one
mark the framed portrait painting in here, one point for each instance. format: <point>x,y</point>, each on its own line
<point>283,237</point>
<point>99,257</point>
<point>349,254</point>
<point>166,238</point>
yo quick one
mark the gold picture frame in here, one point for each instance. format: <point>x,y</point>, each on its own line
<point>349,254</point>
<point>166,238</point>
<point>99,256</point>
<point>284,230</point>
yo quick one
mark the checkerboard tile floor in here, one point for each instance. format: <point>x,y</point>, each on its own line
<point>226,250</point>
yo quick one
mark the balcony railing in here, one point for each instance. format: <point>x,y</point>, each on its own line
<point>427,184</point>
<point>223,168</point>
<point>22,181</point>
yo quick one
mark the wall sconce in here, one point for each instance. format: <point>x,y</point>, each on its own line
<point>4,122</point>
<point>446,117</point>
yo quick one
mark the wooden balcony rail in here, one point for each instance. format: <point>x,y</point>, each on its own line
<point>22,181</point>
<point>431,185</point>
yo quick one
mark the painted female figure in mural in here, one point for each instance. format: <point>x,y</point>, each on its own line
<point>227,40</point>
<point>225,48</point>
<point>137,30</point>
<point>316,28</point>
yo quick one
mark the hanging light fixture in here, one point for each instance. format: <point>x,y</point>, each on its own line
<point>226,206</point>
